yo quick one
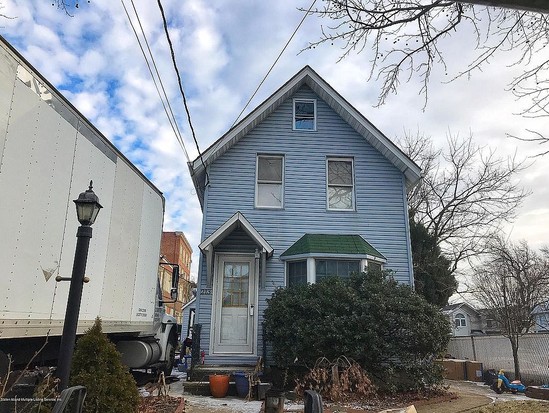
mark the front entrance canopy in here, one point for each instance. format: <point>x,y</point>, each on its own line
<point>333,245</point>
<point>236,221</point>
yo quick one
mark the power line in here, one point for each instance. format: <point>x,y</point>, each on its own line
<point>164,99</point>
<point>181,87</point>
<point>275,62</point>
<point>178,135</point>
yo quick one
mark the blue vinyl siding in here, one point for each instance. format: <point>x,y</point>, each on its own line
<point>381,211</point>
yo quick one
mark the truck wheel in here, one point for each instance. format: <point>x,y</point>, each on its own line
<point>170,351</point>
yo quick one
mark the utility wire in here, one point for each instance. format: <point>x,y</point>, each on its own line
<point>178,135</point>
<point>181,88</point>
<point>165,101</point>
<point>275,62</point>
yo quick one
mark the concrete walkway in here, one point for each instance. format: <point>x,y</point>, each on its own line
<point>470,395</point>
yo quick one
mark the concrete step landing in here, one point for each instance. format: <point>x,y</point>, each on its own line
<point>202,372</point>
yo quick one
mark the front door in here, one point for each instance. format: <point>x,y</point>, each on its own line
<point>234,305</point>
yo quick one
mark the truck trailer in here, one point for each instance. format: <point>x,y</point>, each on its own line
<point>49,152</point>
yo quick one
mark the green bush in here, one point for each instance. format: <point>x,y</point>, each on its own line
<point>392,332</point>
<point>97,366</point>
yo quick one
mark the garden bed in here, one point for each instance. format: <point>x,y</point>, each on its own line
<point>162,404</point>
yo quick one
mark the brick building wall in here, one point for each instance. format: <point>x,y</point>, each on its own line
<point>176,249</point>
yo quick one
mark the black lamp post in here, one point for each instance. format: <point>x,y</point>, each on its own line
<point>87,208</point>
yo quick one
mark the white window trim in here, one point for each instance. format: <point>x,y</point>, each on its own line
<point>346,159</point>
<point>311,270</point>
<point>462,318</point>
<point>293,115</point>
<point>287,272</point>
<point>267,155</point>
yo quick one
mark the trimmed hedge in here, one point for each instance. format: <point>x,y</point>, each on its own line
<point>392,332</point>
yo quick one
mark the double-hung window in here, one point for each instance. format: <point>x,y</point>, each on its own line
<point>305,114</point>
<point>269,191</point>
<point>340,184</point>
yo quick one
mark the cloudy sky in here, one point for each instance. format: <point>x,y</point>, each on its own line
<point>223,49</point>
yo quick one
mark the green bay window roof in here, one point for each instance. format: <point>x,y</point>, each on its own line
<point>332,245</point>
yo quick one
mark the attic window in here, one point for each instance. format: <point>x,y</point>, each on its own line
<point>305,114</point>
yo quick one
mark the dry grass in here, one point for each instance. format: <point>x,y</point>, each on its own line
<point>515,407</point>
<point>159,404</point>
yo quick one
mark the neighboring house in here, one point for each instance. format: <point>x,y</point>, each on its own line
<point>188,320</point>
<point>302,188</point>
<point>465,320</point>
<point>488,324</point>
<point>541,318</point>
<point>175,249</point>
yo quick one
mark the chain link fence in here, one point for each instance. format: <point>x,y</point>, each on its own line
<point>494,352</point>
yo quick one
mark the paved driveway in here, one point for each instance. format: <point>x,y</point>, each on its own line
<point>483,390</point>
<point>470,395</point>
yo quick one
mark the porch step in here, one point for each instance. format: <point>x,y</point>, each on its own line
<point>202,388</point>
<point>201,372</point>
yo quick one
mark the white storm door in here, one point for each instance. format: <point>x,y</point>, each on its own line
<point>235,296</point>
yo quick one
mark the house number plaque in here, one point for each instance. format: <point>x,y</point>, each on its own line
<point>205,291</point>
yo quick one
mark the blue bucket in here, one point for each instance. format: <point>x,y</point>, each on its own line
<point>242,383</point>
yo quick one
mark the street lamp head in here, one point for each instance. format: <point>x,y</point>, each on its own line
<point>87,206</point>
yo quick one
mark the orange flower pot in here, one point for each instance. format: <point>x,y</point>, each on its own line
<point>219,385</point>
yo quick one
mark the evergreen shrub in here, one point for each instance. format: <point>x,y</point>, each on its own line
<point>97,365</point>
<point>391,331</point>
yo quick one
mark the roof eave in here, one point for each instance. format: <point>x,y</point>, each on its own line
<point>237,219</point>
<point>251,120</point>
<point>327,93</point>
<point>365,128</point>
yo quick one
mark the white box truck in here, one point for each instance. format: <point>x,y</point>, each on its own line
<point>49,153</point>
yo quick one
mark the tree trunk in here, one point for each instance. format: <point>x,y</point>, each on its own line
<point>514,348</point>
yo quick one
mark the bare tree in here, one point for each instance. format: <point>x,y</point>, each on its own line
<point>533,5</point>
<point>406,37</point>
<point>66,5</point>
<point>2,15</point>
<point>511,283</point>
<point>63,5</point>
<point>466,194</point>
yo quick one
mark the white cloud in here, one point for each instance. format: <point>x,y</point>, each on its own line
<point>223,50</point>
<point>92,63</point>
<point>89,103</point>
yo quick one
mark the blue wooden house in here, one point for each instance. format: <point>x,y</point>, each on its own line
<point>302,188</point>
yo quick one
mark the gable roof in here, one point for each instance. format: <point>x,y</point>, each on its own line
<point>332,245</point>
<point>236,221</point>
<point>188,303</point>
<point>451,308</point>
<point>353,117</point>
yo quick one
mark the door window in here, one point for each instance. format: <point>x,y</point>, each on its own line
<point>235,284</point>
